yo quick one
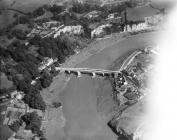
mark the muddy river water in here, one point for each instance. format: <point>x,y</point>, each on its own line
<point>86,115</point>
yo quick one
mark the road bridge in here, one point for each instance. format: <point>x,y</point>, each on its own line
<point>88,71</point>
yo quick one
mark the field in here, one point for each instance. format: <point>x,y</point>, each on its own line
<point>23,5</point>
<point>5,83</point>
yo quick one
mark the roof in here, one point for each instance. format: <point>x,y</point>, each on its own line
<point>5,132</point>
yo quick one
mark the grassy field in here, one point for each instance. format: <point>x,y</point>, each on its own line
<point>5,83</point>
<point>6,17</point>
<point>140,12</point>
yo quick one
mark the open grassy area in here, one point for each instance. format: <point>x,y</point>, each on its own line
<point>5,83</point>
<point>140,12</point>
<point>7,18</point>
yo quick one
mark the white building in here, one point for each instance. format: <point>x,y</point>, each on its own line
<point>47,62</point>
<point>33,82</point>
<point>17,95</point>
<point>93,14</point>
<point>76,30</point>
<point>136,27</point>
<point>114,17</point>
<point>46,29</point>
<point>51,24</point>
<point>99,31</point>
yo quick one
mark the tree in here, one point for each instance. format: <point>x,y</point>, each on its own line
<point>36,40</point>
<point>38,12</point>
<point>4,53</point>
<point>24,20</point>
<point>56,9</point>
<point>45,79</point>
<point>19,34</point>
<point>22,85</point>
<point>3,91</point>
<point>15,126</point>
<point>32,68</point>
<point>57,104</point>
<point>32,121</point>
<point>35,101</point>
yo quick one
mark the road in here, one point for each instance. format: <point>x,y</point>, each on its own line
<point>129,60</point>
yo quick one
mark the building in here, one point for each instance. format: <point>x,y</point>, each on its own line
<point>136,27</point>
<point>17,95</point>
<point>72,30</point>
<point>51,24</point>
<point>99,31</point>
<point>92,15</point>
<point>46,62</point>
<point>114,18</point>
<point>45,29</point>
<point>54,29</point>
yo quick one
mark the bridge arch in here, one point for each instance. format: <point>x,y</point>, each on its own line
<point>67,71</point>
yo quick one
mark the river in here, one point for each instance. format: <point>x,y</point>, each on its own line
<point>86,115</point>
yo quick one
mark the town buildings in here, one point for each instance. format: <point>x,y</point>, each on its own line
<point>46,62</point>
<point>99,31</point>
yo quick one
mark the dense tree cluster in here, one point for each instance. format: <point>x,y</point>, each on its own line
<point>67,18</point>
<point>19,34</point>
<point>85,7</point>
<point>54,47</point>
<point>45,79</point>
<point>23,72</point>
<point>56,9</point>
<point>38,12</point>
<point>35,100</point>
<point>33,122</point>
<point>26,68</point>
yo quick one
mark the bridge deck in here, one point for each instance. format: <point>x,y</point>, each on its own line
<point>86,70</point>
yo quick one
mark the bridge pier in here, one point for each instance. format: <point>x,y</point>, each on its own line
<point>115,75</point>
<point>107,74</point>
<point>93,74</point>
<point>79,74</point>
